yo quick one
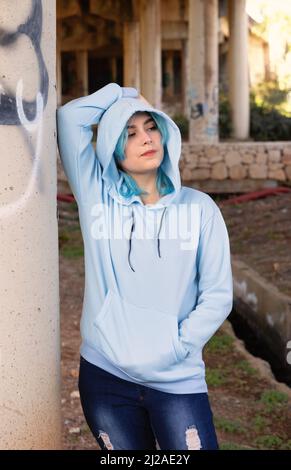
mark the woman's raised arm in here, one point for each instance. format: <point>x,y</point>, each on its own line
<point>74,125</point>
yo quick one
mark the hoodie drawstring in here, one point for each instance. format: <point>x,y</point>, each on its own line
<point>158,246</point>
<point>158,236</point>
<point>131,230</point>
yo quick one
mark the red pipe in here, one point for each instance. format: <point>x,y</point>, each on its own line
<point>255,195</point>
<point>65,197</point>
<point>69,197</point>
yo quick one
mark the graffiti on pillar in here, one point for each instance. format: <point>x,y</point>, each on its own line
<point>196,108</point>
<point>207,110</point>
<point>14,110</point>
<point>32,28</point>
<point>29,127</point>
<point>212,110</point>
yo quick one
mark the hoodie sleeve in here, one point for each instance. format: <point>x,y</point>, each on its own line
<point>74,121</point>
<point>215,285</point>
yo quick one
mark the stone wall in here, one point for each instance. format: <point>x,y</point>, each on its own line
<point>235,161</point>
<point>231,167</point>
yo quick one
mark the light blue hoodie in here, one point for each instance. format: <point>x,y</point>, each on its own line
<point>158,280</point>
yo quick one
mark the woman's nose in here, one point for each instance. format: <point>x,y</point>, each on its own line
<point>146,138</point>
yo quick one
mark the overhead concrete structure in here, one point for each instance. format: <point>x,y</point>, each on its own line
<point>168,49</point>
<point>29,282</point>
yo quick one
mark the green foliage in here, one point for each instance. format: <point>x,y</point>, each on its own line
<point>273,399</point>
<point>246,367</point>
<point>260,423</point>
<point>225,128</point>
<point>220,342</point>
<point>72,251</point>
<point>270,95</point>
<point>63,238</point>
<point>183,124</point>
<point>267,123</point>
<point>269,442</point>
<point>215,377</point>
<point>269,117</point>
<point>286,445</point>
<point>234,427</point>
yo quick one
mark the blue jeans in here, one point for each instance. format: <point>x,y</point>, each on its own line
<point>125,415</point>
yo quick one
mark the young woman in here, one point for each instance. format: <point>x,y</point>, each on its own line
<point>158,280</point>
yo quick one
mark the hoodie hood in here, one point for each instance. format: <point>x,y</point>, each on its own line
<point>110,127</point>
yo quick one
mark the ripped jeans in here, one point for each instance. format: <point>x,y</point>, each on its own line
<point>125,415</point>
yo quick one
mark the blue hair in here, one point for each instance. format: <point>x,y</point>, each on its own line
<point>129,187</point>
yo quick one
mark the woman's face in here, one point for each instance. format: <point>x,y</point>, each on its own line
<point>143,136</point>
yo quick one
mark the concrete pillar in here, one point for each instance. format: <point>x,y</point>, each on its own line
<point>113,66</point>
<point>185,77</point>
<point>202,93</point>
<point>131,54</point>
<point>150,47</point>
<point>29,283</point>
<point>82,72</point>
<point>211,71</point>
<point>169,71</point>
<point>238,69</point>
<point>59,77</point>
<point>196,90</point>
<point>59,64</point>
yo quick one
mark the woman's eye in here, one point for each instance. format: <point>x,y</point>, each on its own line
<point>149,129</point>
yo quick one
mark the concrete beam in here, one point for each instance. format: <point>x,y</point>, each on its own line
<point>114,10</point>
<point>174,10</point>
<point>174,30</point>
<point>171,45</point>
<point>68,8</point>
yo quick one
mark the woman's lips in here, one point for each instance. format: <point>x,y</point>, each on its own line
<point>148,153</point>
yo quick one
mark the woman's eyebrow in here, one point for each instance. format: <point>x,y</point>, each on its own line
<point>146,122</point>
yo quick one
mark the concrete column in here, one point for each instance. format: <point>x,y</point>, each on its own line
<point>113,66</point>
<point>82,72</point>
<point>59,64</point>
<point>196,90</point>
<point>131,54</point>
<point>150,47</point>
<point>185,77</point>
<point>59,77</point>
<point>211,71</point>
<point>238,69</point>
<point>169,70</point>
<point>202,88</point>
<point>29,283</point>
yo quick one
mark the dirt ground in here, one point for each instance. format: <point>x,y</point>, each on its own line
<point>260,233</point>
<point>249,412</point>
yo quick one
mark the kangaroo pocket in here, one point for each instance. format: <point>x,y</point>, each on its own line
<point>140,341</point>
